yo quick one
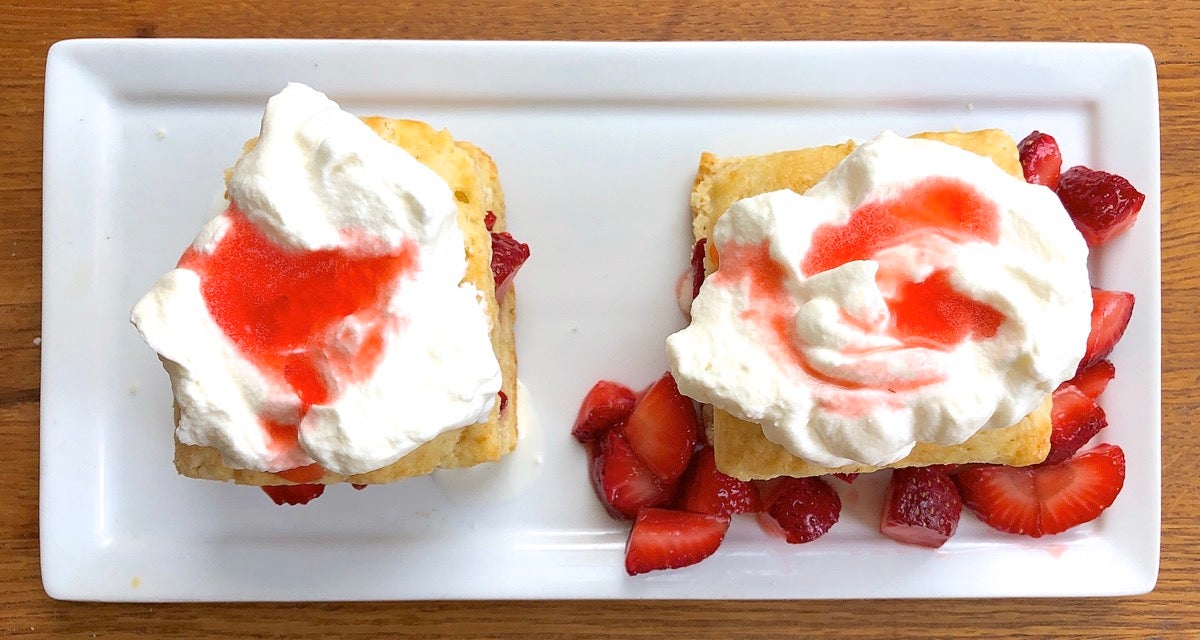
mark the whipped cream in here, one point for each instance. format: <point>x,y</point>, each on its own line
<point>850,336</point>
<point>318,178</point>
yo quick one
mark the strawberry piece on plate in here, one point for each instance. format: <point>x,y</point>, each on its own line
<point>294,493</point>
<point>1041,159</point>
<point>663,429</point>
<point>803,508</point>
<point>668,539</point>
<point>706,490</point>
<point>848,478</point>
<point>1111,311</point>
<point>605,406</point>
<point>1045,499</point>
<point>698,266</point>
<point>1102,205</point>
<point>1075,418</point>
<point>507,257</point>
<point>621,481</point>
<point>1093,379</point>
<point>921,506</point>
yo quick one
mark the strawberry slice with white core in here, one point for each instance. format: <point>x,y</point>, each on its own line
<point>1111,312</point>
<point>921,506</point>
<point>1041,159</point>
<point>668,539</point>
<point>623,484</point>
<point>663,429</point>
<point>605,406</point>
<point>1045,499</point>
<point>1075,418</point>
<point>706,490</point>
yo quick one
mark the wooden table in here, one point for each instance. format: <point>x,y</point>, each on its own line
<point>1169,29</point>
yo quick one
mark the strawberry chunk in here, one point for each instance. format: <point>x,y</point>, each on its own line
<point>848,478</point>
<point>605,406</point>
<point>804,508</point>
<point>667,539</point>
<point>706,490</point>
<point>621,481</point>
<point>294,493</point>
<point>1102,205</point>
<point>1093,379</point>
<point>698,266</point>
<point>1045,499</point>
<point>1111,311</point>
<point>507,257</point>
<point>921,506</point>
<point>1075,418</point>
<point>663,429</point>
<point>1041,159</point>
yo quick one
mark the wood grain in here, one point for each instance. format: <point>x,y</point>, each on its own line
<point>1169,29</point>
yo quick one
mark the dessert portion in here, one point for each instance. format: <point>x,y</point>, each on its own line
<point>651,462</point>
<point>916,305</point>
<point>349,316</point>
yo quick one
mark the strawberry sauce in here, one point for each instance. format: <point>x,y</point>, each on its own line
<point>930,314</point>
<point>282,308</point>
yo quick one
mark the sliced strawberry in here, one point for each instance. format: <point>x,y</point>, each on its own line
<point>507,256</point>
<point>1074,419</point>
<point>359,487</point>
<point>663,428</point>
<point>769,490</point>
<point>921,506</point>
<point>1045,499</point>
<point>848,478</point>
<point>1041,159</point>
<point>667,539</point>
<point>503,399</point>
<point>1111,311</point>
<point>1102,205</point>
<point>698,266</point>
<point>489,220</point>
<point>621,481</point>
<point>294,493</point>
<point>805,508</point>
<point>605,406</point>
<point>1093,379</point>
<point>707,490</point>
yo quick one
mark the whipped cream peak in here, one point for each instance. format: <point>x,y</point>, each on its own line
<point>317,173</point>
<point>917,293</point>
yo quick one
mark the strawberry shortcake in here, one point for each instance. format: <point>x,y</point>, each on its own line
<point>919,307</point>
<point>349,316</point>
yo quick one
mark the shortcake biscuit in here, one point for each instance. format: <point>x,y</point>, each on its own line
<point>741,448</point>
<point>473,178</point>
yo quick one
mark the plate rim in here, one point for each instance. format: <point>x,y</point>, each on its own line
<point>67,62</point>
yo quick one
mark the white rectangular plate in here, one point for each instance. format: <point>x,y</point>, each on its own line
<point>597,145</point>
